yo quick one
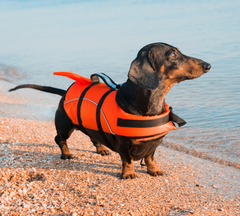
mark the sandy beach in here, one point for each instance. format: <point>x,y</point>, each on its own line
<point>35,181</point>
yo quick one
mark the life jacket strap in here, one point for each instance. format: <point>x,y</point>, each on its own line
<point>142,123</point>
<point>151,123</point>
<point>80,126</point>
<point>106,79</point>
<point>176,119</point>
<point>98,113</point>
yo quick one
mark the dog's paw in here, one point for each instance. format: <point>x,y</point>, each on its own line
<point>129,175</point>
<point>67,156</point>
<point>102,150</point>
<point>152,167</point>
<point>156,172</point>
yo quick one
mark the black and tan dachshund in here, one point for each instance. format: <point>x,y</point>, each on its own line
<point>155,70</point>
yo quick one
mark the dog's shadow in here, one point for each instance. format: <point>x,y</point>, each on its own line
<point>47,157</point>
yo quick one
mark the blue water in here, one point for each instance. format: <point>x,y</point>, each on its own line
<point>40,37</point>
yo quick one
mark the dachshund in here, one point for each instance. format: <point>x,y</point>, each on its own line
<point>152,74</point>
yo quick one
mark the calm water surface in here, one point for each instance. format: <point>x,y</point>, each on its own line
<point>40,37</point>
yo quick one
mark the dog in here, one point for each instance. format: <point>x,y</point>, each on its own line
<point>152,73</point>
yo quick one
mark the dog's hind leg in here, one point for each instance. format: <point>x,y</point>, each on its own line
<point>100,148</point>
<point>62,143</point>
<point>64,127</point>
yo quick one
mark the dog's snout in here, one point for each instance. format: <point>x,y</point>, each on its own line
<point>206,67</point>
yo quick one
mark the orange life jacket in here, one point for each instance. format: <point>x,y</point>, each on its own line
<point>94,107</point>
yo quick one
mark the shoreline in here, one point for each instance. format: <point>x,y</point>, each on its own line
<point>34,180</point>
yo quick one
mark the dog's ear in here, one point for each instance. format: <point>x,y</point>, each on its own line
<point>142,71</point>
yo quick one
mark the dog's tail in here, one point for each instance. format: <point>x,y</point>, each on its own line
<point>48,89</point>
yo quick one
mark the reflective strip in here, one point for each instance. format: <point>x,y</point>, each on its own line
<point>102,114</point>
<point>71,100</point>
<point>98,118</point>
<point>76,99</point>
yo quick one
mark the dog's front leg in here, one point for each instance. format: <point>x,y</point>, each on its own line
<point>127,162</point>
<point>152,167</point>
<point>128,170</point>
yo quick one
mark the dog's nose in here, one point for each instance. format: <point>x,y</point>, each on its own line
<point>206,67</point>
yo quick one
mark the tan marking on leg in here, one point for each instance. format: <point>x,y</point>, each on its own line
<point>102,150</point>
<point>128,170</point>
<point>152,167</point>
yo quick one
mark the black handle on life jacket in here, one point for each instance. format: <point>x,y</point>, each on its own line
<point>175,118</point>
<point>106,79</point>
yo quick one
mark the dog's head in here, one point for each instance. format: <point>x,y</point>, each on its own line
<point>162,62</point>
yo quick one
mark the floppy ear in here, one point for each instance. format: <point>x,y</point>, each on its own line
<point>142,71</point>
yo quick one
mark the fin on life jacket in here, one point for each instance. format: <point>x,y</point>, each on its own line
<point>74,76</point>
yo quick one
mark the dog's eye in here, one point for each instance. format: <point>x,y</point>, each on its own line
<point>173,54</point>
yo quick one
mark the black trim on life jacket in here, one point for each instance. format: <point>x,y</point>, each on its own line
<point>95,80</point>
<point>98,113</point>
<point>142,123</point>
<point>80,126</point>
<point>151,123</point>
<point>175,118</point>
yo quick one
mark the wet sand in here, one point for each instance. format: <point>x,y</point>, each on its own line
<point>34,180</point>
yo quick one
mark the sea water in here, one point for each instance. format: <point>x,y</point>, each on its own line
<point>85,37</point>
